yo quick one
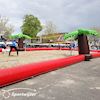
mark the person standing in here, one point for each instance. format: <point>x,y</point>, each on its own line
<point>13,46</point>
<point>3,39</point>
<point>3,45</point>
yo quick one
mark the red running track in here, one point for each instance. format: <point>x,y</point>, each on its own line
<point>19,73</point>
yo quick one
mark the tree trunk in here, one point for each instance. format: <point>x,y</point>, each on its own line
<point>20,44</point>
<point>83,44</point>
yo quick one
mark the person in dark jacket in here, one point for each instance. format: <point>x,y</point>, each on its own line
<point>3,45</point>
<point>13,46</point>
<point>3,39</point>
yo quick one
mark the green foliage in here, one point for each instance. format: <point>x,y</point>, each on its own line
<point>87,32</point>
<point>80,32</point>
<point>98,30</point>
<point>71,35</point>
<point>31,26</point>
<point>20,35</point>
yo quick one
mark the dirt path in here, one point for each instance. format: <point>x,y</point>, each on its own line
<point>31,56</point>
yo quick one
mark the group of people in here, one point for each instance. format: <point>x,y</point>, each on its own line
<point>9,48</point>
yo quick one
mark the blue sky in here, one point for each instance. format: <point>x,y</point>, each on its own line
<point>67,15</point>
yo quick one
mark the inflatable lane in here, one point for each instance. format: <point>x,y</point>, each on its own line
<point>22,72</point>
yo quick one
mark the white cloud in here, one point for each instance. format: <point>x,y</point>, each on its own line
<point>67,15</point>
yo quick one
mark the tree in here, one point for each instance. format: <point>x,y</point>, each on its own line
<point>83,46</point>
<point>50,28</point>
<point>31,25</point>
<point>5,28</point>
